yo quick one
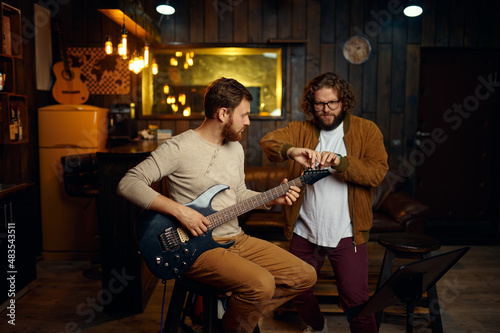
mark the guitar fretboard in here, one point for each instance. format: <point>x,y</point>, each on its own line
<point>229,213</point>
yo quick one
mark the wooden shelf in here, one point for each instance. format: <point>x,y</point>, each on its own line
<point>10,102</point>
<point>10,19</point>
<point>8,75</point>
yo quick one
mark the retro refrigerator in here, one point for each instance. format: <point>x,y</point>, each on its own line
<point>69,224</point>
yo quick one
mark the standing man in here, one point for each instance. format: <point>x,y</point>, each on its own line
<point>332,218</point>
<point>261,276</point>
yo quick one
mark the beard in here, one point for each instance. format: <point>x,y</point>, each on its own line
<point>320,122</point>
<point>228,133</point>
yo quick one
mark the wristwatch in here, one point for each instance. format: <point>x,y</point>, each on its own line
<point>357,50</point>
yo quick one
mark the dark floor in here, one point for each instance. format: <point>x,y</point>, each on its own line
<point>58,301</point>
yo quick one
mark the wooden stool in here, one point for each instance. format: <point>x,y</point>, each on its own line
<point>177,308</point>
<point>412,246</point>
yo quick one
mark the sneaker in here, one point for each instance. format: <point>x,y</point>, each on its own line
<point>310,330</point>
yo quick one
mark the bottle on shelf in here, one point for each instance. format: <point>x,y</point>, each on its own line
<point>19,125</point>
<point>14,128</point>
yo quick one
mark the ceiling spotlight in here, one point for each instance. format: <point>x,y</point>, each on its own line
<point>165,8</point>
<point>413,9</point>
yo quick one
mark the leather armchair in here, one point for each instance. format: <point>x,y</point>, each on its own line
<point>394,209</point>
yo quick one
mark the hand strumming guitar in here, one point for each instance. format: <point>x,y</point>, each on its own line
<point>190,219</point>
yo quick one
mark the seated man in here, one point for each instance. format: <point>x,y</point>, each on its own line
<point>260,276</point>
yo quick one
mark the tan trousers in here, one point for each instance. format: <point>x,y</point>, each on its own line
<point>260,276</point>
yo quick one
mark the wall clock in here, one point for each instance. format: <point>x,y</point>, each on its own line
<point>357,50</point>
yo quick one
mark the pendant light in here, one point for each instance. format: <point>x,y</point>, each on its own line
<point>413,8</point>
<point>154,67</point>
<point>165,8</point>
<point>122,47</point>
<point>146,45</point>
<point>146,54</point>
<point>136,63</point>
<point>108,46</point>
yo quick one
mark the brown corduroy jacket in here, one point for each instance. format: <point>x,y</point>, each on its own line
<point>364,167</point>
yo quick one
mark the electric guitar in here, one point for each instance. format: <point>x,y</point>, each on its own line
<point>68,87</point>
<point>169,251</point>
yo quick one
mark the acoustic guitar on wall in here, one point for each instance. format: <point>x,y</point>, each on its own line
<point>68,87</point>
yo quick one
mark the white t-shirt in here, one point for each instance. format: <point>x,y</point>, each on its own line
<point>324,216</point>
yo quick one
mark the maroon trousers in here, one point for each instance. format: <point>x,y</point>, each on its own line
<point>350,266</point>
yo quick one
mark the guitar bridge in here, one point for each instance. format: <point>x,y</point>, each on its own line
<point>169,240</point>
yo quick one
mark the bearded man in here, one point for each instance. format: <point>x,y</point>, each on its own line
<point>259,275</point>
<point>332,218</point>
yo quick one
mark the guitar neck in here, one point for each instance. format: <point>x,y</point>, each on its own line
<point>62,47</point>
<point>247,205</point>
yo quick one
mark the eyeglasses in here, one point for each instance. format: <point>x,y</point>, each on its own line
<point>320,106</point>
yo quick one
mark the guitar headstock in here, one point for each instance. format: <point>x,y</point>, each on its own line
<point>311,176</point>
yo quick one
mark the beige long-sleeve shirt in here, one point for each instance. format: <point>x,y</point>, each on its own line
<point>192,165</point>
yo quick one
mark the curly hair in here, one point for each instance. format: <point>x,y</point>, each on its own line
<point>224,93</point>
<point>328,80</point>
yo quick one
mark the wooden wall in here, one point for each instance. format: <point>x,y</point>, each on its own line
<point>311,32</point>
<point>18,161</point>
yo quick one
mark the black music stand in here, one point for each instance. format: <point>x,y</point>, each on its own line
<point>409,282</point>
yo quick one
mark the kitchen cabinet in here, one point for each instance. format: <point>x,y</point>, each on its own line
<point>17,239</point>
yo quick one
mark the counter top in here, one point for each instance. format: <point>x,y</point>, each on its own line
<point>6,189</point>
<point>133,147</point>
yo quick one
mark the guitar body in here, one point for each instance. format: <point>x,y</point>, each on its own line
<point>68,87</point>
<point>169,251</point>
<point>163,243</point>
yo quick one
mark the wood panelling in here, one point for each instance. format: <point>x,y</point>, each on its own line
<point>254,19</point>
<point>182,23</point>
<point>412,94</point>
<point>226,24</point>
<point>398,63</point>
<point>383,89</point>
<point>386,84</point>
<point>456,21</point>
<point>212,20</point>
<point>314,41</point>
<point>241,24</point>
<point>269,20</point>
<point>285,19</point>
<point>196,21</point>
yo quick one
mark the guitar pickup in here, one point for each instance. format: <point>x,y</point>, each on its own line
<point>182,235</point>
